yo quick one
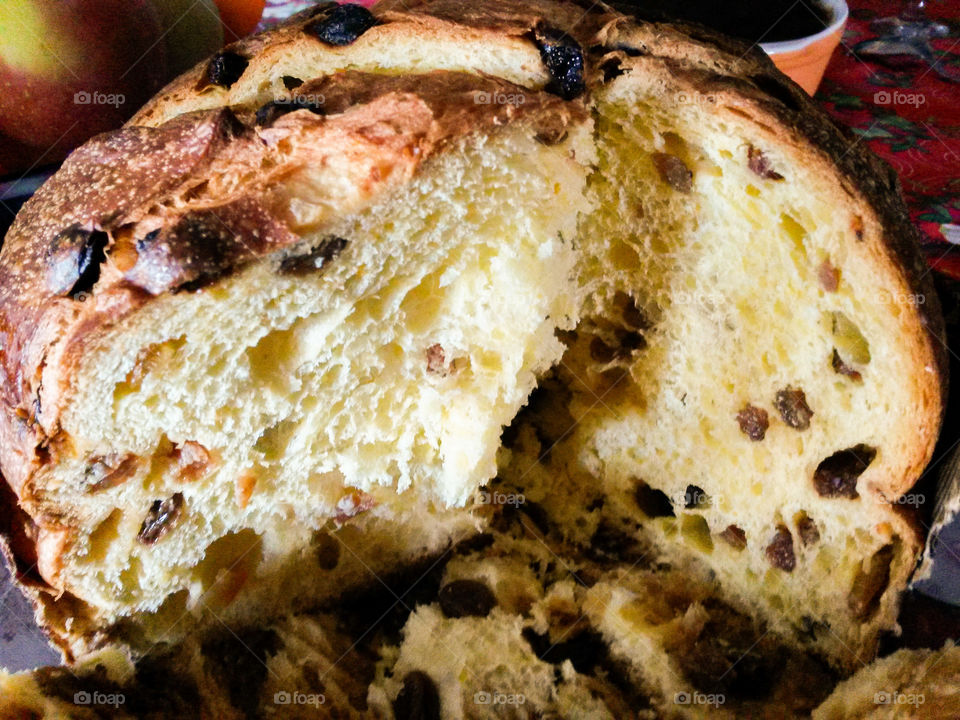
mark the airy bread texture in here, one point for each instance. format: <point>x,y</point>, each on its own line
<point>293,310</point>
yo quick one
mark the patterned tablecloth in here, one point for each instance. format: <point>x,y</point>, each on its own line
<point>910,116</point>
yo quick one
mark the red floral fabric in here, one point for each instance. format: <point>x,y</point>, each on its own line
<point>909,116</point>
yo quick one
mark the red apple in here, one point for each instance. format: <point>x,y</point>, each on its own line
<point>70,69</point>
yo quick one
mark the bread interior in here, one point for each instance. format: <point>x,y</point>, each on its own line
<point>651,282</point>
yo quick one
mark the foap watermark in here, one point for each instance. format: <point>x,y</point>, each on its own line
<point>307,100</point>
<point>898,698</point>
<point>484,497</point>
<point>486,697</point>
<point>692,498</point>
<point>901,298</point>
<point>697,297</point>
<point>82,97</point>
<point>699,698</point>
<point>915,499</point>
<point>298,698</point>
<point>695,98</point>
<point>896,97</point>
<point>499,98</point>
<point>99,699</point>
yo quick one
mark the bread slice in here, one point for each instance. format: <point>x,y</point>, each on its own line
<point>299,297</point>
<point>907,684</point>
<point>527,623</point>
<point>512,621</point>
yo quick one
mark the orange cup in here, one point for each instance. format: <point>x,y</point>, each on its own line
<point>805,60</point>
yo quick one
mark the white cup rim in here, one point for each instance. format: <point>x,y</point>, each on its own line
<point>838,8</point>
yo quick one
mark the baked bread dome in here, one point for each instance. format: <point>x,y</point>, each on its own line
<point>261,344</point>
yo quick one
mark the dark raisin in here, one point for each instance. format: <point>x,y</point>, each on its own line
<point>791,403</point>
<point>563,57</point>
<point>674,172</point>
<point>736,537</point>
<point>807,528</point>
<point>840,367</point>
<point>225,68</point>
<point>160,519</point>
<point>74,259</point>
<point>601,352</point>
<point>342,24</point>
<point>753,422</point>
<point>436,360</point>
<point>760,164</point>
<point>837,475</point>
<point>290,82</point>
<point>314,260</point>
<point>829,276</point>
<point>466,598</point>
<point>585,651</point>
<point>870,584</point>
<point>418,698</point>
<point>694,497</point>
<point>611,69</point>
<point>780,550</point>
<point>267,114</point>
<point>106,475</point>
<point>92,256</point>
<point>654,503</point>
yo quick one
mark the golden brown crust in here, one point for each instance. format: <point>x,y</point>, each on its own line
<point>176,194</point>
<point>501,23</point>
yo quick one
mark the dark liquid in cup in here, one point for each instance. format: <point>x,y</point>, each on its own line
<point>770,21</point>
